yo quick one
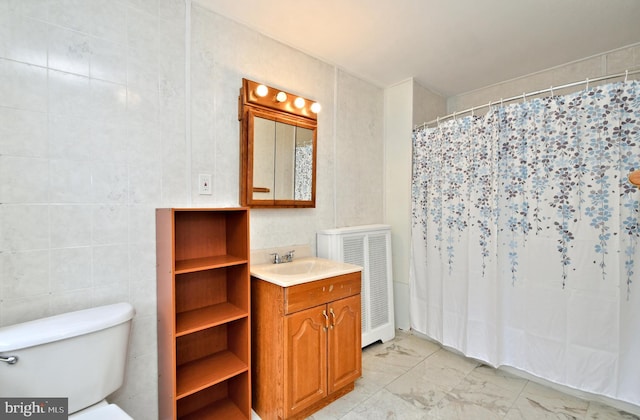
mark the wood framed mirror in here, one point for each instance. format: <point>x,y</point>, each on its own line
<point>278,140</point>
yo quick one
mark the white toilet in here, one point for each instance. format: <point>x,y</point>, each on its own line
<point>77,355</point>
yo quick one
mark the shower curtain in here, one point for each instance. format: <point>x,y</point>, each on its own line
<point>525,238</point>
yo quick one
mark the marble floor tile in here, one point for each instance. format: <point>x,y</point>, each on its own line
<point>457,407</point>
<point>598,411</point>
<point>483,393</point>
<point>418,390</point>
<point>376,373</point>
<point>446,368</point>
<point>539,402</point>
<point>384,405</point>
<point>404,351</point>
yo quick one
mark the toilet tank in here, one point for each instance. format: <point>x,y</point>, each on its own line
<point>78,355</point>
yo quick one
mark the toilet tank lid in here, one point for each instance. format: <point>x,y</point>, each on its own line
<point>63,326</point>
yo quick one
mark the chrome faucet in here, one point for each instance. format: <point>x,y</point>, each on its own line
<point>288,257</point>
<point>279,259</point>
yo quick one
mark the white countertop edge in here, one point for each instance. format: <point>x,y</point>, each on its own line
<point>296,279</point>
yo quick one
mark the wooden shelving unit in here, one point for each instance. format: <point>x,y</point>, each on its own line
<point>203,313</point>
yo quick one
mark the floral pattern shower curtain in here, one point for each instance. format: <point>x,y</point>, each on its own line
<point>526,238</point>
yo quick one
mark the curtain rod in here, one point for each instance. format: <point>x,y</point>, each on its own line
<point>525,95</point>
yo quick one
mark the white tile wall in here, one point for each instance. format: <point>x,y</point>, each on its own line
<point>605,64</point>
<point>23,133</point>
<point>361,179</point>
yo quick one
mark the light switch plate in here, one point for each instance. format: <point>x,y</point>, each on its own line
<point>204,184</point>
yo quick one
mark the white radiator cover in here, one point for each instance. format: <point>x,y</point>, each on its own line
<point>368,246</point>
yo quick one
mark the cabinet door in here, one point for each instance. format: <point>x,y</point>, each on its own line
<point>345,353</point>
<point>305,358</point>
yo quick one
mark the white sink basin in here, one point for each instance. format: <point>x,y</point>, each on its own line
<point>302,270</point>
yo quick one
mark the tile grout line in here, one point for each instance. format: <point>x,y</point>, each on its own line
<point>515,400</point>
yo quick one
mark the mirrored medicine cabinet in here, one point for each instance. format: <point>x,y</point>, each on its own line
<point>278,134</point>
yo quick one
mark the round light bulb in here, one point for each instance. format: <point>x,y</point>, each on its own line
<point>299,102</point>
<point>316,107</point>
<point>281,97</point>
<point>262,91</point>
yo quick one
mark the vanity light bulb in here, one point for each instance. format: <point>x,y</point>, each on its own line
<point>281,97</point>
<point>262,91</point>
<point>316,107</point>
<point>299,103</point>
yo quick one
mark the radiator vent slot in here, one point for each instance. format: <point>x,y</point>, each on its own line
<point>353,253</point>
<point>379,299</point>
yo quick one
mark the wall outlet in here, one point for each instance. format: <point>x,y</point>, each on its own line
<point>204,184</point>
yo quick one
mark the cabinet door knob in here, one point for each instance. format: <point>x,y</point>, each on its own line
<point>333,317</point>
<point>326,320</point>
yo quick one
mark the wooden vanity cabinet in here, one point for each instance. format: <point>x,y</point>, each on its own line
<point>305,344</point>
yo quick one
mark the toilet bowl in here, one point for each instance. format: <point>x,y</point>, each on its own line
<point>77,355</point>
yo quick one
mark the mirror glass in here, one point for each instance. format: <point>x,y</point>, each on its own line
<point>278,158</point>
<point>282,161</point>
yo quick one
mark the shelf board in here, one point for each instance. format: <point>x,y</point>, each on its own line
<point>202,373</point>
<point>209,316</point>
<point>223,409</point>
<point>207,263</point>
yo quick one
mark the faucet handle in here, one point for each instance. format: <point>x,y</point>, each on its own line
<point>289,255</point>
<point>276,258</point>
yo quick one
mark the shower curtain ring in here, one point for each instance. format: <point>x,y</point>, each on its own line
<point>626,75</point>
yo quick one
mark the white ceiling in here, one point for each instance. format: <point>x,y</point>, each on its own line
<point>449,46</point>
